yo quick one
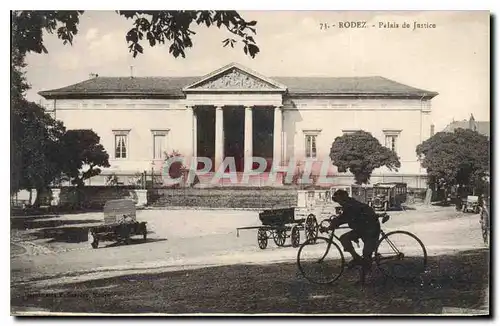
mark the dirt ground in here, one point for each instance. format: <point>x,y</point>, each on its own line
<point>54,251</point>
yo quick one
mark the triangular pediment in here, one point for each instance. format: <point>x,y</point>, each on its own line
<point>235,78</point>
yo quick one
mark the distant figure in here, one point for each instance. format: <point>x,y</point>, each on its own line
<point>364,223</point>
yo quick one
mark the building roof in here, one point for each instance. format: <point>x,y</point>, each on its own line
<point>165,86</point>
<point>173,86</point>
<point>482,127</point>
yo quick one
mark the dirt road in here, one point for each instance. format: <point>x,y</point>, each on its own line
<point>185,239</point>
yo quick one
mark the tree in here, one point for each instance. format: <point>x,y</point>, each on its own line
<point>18,87</point>
<point>156,27</point>
<point>361,153</point>
<point>80,150</point>
<point>36,141</point>
<point>461,158</point>
<point>34,135</point>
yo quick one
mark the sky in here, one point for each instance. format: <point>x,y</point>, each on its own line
<point>451,59</point>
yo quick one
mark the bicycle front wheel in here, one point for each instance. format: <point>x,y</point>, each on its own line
<point>320,260</point>
<point>401,255</point>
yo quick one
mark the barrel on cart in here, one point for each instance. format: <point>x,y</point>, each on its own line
<point>280,224</point>
<point>120,223</point>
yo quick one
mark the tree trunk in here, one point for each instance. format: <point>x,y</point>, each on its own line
<point>39,192</point>
<point>30,197</point>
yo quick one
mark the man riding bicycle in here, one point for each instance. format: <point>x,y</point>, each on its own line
<point>364,223</point>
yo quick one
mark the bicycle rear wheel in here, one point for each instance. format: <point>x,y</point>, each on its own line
<point>401,255</point>
<point>320,260</point>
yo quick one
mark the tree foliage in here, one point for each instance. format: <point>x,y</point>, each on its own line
<point>360,153</point>
<point>154,27</point>
<point>460,158</point>
<point>35,160</point>
<point>80,150</point>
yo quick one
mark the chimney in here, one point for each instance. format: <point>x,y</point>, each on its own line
<point>432,130</point>
<point>131,71</point>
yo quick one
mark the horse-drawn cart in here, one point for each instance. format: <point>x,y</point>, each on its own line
<point>119,223</point>
<point>280,224</point>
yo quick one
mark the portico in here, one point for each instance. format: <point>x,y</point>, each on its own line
<point>234,93</point>
<point>229,131</point>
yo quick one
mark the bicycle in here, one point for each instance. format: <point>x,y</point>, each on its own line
<point>388,256</point>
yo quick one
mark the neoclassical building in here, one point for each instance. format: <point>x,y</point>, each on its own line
<point>239,113</point>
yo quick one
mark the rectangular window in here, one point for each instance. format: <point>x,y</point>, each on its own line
<point>311,137</point>
<point>159,146</point>
<point>121,143</point>
<point>310,146</point>
<point>391,139</point>
<point>120,146</point>
<point>391,142</point>
<point>159,143</point>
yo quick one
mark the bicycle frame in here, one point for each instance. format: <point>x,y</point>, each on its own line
<point>382,236</point>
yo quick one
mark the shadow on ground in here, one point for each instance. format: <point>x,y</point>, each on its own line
<point>51,211</point>
<point>26,223</point>
<point>77,234</point>
<point>64,234</point>
<point>452,281</point>
<point>133,241</point>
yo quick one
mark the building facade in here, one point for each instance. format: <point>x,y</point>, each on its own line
<point>238,113</point>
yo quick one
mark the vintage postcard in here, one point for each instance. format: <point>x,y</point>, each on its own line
<point>250,162</point>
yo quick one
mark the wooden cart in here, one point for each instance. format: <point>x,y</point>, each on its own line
<point>120,223</point>
<point>280,224</point>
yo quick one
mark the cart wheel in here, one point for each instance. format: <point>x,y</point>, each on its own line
<point>311,227</point>
<point>92,239</point>
<point>262,238</point>
<point>295,237</point>
<point>279,237</point>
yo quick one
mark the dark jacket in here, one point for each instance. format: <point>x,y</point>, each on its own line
<point>358,216</point>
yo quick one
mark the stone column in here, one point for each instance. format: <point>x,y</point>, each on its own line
<point>277,135</point>
<point>248,138</point>
<point>195,134</point>
<point>193,126</point>
<point>219,137</point>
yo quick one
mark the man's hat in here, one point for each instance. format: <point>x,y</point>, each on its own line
<point>340,194</point>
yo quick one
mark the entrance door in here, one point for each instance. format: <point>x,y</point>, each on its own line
<point>263,124</point>
<point>234,138</point>
<point>205,137</point>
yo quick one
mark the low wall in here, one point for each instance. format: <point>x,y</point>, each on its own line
<point>223,197</point>
<point>95,196</point>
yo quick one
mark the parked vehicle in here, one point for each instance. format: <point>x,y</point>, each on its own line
<point>388,196</point>
<point>282,223</point>
<point>119,223</point>
<point>362,193</point>
<point>471,205</point>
